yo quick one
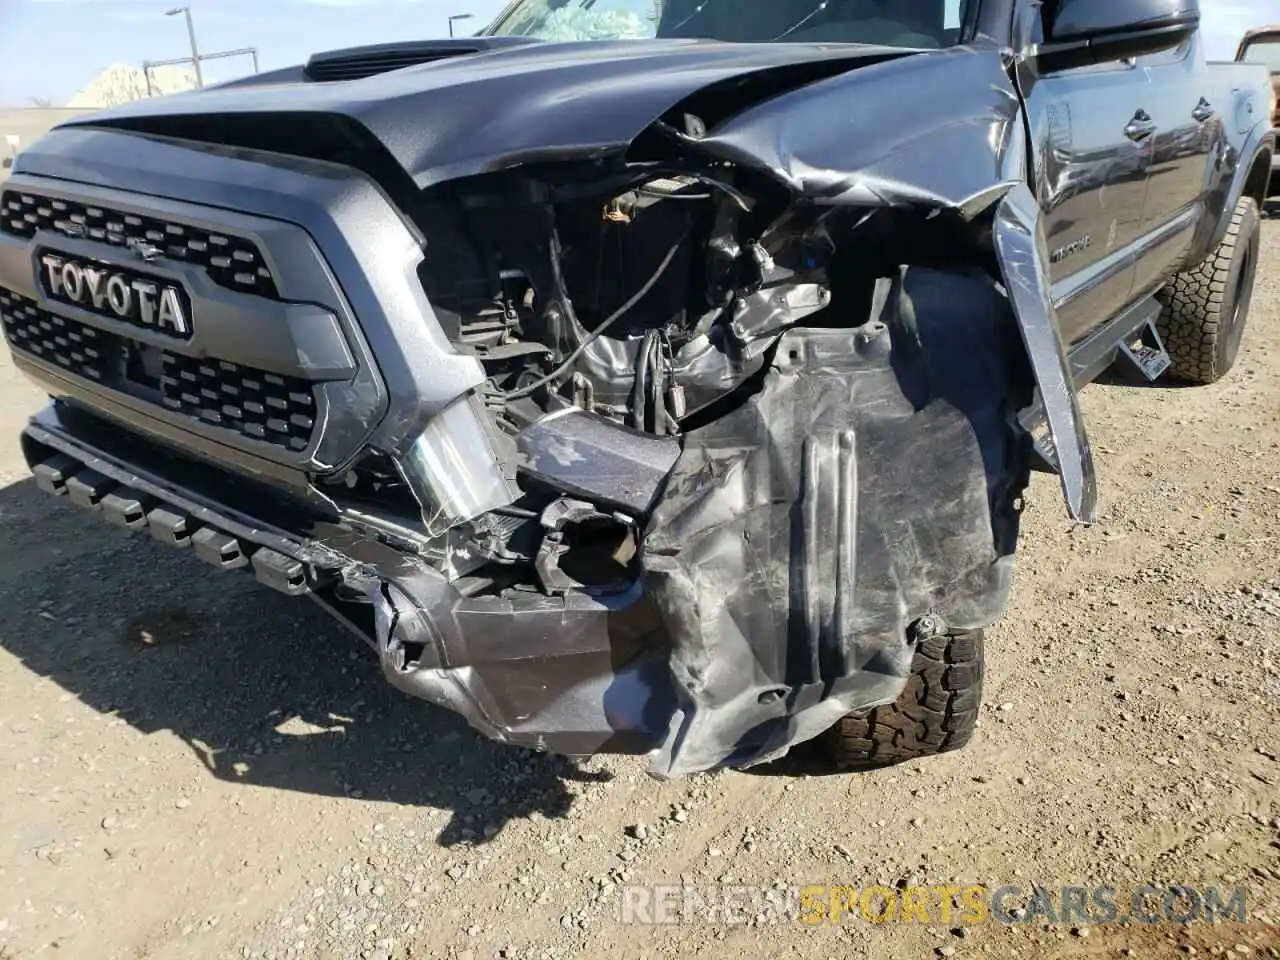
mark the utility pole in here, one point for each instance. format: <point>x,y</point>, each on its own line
<point>191,34</point>
<point>149,65</point>
<point>458,16</point>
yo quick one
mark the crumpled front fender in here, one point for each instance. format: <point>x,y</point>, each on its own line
<point>904,146</point>
<point>930,130</point>
<point>1020,247</point>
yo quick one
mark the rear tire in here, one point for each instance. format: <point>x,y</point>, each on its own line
<point>1205,308</point>
<point>936,712</point>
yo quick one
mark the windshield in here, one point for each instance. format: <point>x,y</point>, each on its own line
<point>1266,51</point>
<point>898,23</point>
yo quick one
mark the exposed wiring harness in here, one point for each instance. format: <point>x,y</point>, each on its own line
<point>649,393</point>
<point>603,327</point>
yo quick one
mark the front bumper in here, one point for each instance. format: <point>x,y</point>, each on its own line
<point>574,675</point>
<point>797,544</point>
<point>303,285</point>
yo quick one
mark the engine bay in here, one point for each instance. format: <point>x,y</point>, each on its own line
<point>615,306</point>
<point>644,303</point>
<point>612,312</point>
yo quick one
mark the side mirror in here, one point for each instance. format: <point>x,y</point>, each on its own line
<point>1082,32</point>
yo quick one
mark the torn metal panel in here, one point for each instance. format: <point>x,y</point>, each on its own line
<point>871,482</point>
<point>574,674</point>
<point>586,454</point>
<point>1019,246</point>
<point>452,468</point>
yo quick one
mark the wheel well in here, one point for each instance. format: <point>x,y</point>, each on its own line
<point>1255,184</point>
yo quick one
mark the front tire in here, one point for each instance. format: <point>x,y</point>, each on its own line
<point>1205,308</point>
<point>936,712</point>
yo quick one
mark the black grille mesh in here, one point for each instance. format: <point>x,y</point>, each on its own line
<point>265,406</point>
<point>70,345</point>
<point>230,261</point>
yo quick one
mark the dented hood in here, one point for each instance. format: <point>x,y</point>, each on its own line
<point>494,109</point>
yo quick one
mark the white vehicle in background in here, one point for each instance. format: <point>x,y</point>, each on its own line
<point>1263,46</point>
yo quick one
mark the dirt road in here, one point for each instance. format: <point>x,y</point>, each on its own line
<point>191,766</point>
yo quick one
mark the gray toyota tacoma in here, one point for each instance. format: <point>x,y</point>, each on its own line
<point>649,377</point>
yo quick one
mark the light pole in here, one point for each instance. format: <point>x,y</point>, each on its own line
<point>191,33</point>
<point>458,16</point>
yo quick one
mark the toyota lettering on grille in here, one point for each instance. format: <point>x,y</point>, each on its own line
<point>117,293</point>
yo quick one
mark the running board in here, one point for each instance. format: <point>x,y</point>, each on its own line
<point>1131,335</point>
<point>1146,352</point>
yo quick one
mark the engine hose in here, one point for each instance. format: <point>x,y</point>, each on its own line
<point>658,382</point>
<point>640,388</point>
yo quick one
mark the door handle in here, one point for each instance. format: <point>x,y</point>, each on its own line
<point>1140,127</point>
<point>1202,111</point>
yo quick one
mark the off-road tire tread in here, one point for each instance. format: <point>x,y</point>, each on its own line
<point>936,712</point>
<point>1194,305</point>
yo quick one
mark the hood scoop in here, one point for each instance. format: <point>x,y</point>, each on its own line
<point>356,63</point>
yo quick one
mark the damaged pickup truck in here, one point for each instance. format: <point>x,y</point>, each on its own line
<point>650,377</point>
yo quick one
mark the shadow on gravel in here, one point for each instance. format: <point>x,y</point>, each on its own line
<point>1122,375</point>
<point>266,690</point>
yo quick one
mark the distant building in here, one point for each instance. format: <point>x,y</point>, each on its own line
<point>117,84</point>
<point>122,83</point>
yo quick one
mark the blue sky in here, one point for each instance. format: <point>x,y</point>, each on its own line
<point>51,48</point>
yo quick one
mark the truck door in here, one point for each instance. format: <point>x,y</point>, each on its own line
<point>1090,137</point>
<point>1187,137</point>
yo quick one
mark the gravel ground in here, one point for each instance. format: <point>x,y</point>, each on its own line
<point>192,766</point>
